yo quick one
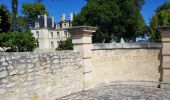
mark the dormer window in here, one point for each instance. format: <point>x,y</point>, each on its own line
<point>36,25</point>
<point>37,34</point>
<point>65,25</point>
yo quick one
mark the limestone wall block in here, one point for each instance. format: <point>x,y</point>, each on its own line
<point>3,72</point>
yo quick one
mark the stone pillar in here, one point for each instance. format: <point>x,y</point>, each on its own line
<point>82,41</point>
<point>71,17</point>
<point>165,58</point>
<point>52,22</point>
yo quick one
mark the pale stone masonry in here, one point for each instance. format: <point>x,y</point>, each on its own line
<point>48,33</point>
<point>51,75</point>
<point>40,76</point>
<point>165,59</point>
<point>48,39</point>
<point>105,63</point>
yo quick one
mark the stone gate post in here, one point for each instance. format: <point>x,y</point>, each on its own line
<point>82,41</point>
<point>165,58</point>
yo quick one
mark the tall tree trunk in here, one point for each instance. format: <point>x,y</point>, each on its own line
<point>15,14</point>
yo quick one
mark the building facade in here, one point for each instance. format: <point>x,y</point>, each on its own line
<point>48,33</point>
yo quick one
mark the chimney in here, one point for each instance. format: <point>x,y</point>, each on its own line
<point>38,16</point>
<point>74,13</point>
<point>52,22</point>
<point>63,17</point>
<point>71,17</point>
<point>45,20</point>
<point>37,24</point>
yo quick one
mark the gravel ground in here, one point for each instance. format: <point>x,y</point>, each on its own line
<point>122,92</point>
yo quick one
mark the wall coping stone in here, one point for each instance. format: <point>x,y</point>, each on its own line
<point>147,45</point>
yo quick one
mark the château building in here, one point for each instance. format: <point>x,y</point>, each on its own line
<point>48,33</point>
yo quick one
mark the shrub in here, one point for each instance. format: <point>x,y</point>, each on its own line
<point>65,45</point>
<point>17,41</point>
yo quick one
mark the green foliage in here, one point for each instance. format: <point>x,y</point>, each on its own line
<point>153,33</point>
<point>4,22</point>
<point>4,40</point>
<point>20,39</point>
<point>23,25</point>
<point>31,12</point>
<point>131,19</point>
<point>65,45</point>
<point>17,41</point>
<point>154,22</point>
<point>165,6</point>
<point>156,37</point>
<point>29,19</point>
<point>114,19</point>
<point>162,16</point>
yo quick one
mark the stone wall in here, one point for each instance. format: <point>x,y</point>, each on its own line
<point>128,65</point>
<point>40,76</point>
<point>50,75</point>
<point>165,68</point>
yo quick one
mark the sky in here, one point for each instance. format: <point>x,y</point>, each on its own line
<point>58,7</point>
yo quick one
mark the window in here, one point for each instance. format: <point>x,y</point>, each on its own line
<point>65,33</point>
<point>37,45</point>
<point>64,25</point>
<point>58,34</point>
<point>36,25</point>
<point>68,34</point>
<point>52,44</point>
<point>58,43</point>
<point>37,34</point>
<point>51,34</point>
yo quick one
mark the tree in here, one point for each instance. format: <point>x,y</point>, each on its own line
<point>114,19</point>
<point>65,45</point>
<point>31,12</point>
<point>153,34</point>
<point>165,6</point>
<point>15,14</point>
<point>23,24</point>
<point>154,22</point>
<point>161,18</point>
<point>4,22</point>
<point>100,13</point>
<point>14,3</point>
<point>131,19</point>
<point>4,41</point>
<point>17,41</point>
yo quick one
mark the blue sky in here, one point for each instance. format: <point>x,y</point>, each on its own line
<point>57,7</point>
